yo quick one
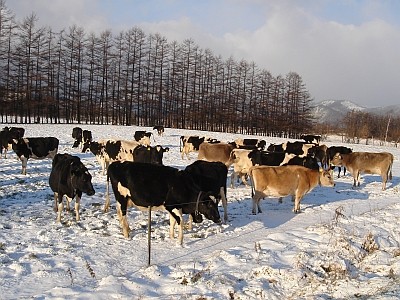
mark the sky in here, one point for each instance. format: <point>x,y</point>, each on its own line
<point>342,49</point>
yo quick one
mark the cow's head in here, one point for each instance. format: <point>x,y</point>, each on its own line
<point>326,178</point>
<point>81,179</point>
<point>207,206</point>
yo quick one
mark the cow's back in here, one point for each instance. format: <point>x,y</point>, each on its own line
<point>368,162</point>
<point>215,152</point>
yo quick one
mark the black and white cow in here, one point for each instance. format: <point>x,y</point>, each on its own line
<point>211,176</point>
<point>160,129</point>
<point>7,135</point>
<point>108,151</point>
<point>87,136</point>
<point>70,178</point>
<point>77,136</point>
<point>161,187</point>
<point>330,153</point>
<point>306,161</point>
<point>189,144</point>
<point>250,144</point>
<point>4,139</point>
<point>311,138</point>
<point>298,148</point>
<point>149,154</point>
<point>35,147</point>
<point>142,137</point>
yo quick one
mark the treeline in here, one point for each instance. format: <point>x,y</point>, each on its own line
<point>136,79</point>
<point>367,126</point>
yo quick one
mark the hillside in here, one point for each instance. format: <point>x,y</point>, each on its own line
<point>333,111</point>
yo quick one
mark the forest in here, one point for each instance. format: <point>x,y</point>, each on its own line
<point>134,78</point>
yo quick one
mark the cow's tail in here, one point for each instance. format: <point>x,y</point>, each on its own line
<point>107,204</point>
<point>251,182</point>
<point>390,170</point>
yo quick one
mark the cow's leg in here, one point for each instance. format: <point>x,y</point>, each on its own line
<point>60,207</point>
<point>190,222</point>
<point>172,223</point>
<point>77,204</point>
<point>233,179</point>
<point>123,218</point>
<point>180,234</point>
<point>297,200</point>
<point>224,203</point>
<point>67,208</point>
<point>24,161</point>
<point>357,178</point>
<point>384,180</point>
<point>55,202</point>
<point>256,203</point>
<point>243,177</point>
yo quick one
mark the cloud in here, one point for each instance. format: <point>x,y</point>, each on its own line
<point>335,60</point>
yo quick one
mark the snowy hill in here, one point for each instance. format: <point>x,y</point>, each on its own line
<point>333,111</point>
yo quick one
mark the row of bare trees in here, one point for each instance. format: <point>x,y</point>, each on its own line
<point>136,79</point>
<point>367,126</point>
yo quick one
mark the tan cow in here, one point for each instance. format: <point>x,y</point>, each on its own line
<point>288,180</point>
<point>216,152</point>
<point>366,162</point>
<point>241,165</point>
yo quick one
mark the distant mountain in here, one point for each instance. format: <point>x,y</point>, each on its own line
<point>333,111</point>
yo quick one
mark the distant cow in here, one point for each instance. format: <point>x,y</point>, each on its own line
<point>142,137</point>
<point>77,136</point>
<point>148,185</point>
<point>149,154</point>
<point>70,178</point>
<point>189,144</point>
<point>366,162</point>
<point>211,176</point>
<point>310,138</point>
<point>284,181</point>
<point>297,148</point>
<point>216,152</point>
<point>4,139</point>
<point>160,129</point>
<point>331,152</point>
<point>320,153</point>
<point>7,135</point>
<point>108,151</point>
<point>35,147</point>
<point>87,136</point>
<point>307,161</point>
<point>250,144</point>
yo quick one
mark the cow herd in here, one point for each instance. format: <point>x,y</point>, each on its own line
<point>138,177</point>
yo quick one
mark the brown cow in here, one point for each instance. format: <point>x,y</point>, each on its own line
<point>216,152</point>
<point>366,162</point>
<point>284,181</point>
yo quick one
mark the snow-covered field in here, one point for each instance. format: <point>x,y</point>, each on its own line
<point>344,244</point>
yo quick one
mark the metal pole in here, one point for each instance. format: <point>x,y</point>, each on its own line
<point>149,237</point>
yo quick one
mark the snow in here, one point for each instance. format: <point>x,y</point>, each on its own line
<point>344,244</point>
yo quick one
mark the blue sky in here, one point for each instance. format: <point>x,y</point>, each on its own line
<point>343,49</point>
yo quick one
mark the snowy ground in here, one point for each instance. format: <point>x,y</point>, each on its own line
<point>344,244</point>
